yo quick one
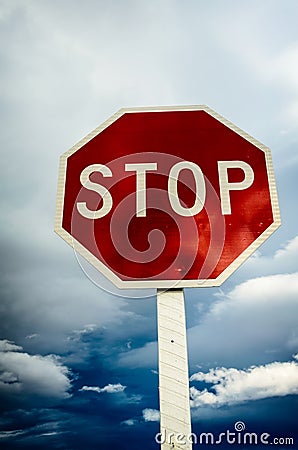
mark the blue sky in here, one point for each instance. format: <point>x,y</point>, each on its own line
<point>78,363</point>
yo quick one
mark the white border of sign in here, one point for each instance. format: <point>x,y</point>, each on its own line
<point>165,283</point>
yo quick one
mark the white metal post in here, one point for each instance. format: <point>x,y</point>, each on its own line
<point>175,421</point>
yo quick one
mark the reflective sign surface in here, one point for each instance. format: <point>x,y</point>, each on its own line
<point>168,198</point>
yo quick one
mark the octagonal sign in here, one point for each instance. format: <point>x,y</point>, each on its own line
<point>166,197</point>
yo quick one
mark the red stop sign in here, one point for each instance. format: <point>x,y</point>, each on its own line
<point>166,197</point>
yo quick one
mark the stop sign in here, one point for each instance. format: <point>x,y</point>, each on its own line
<point>166,197</point>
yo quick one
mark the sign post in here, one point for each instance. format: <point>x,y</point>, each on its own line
<point>167,198</point>
<point>175,421</point>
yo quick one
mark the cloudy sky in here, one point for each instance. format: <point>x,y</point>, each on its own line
<point>78,363</point>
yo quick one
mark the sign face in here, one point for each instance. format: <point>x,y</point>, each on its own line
<point>166,197</point>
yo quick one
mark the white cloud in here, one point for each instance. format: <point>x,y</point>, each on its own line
<point>151,415</point>
<point>122,397</point>
<point>110,388</point>
<point>232,386</point>
<point>252,324</point>
<point>23,375</point>
<point>10,434</point>
<point>284,260</point>
<point>77,335</point>
<point>8,346</point>
<point>31,336</point>
<point>254,321</point>
<point>289,251</point>
<point>129,422</point>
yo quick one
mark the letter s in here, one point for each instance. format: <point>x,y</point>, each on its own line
<point>101,190</point>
